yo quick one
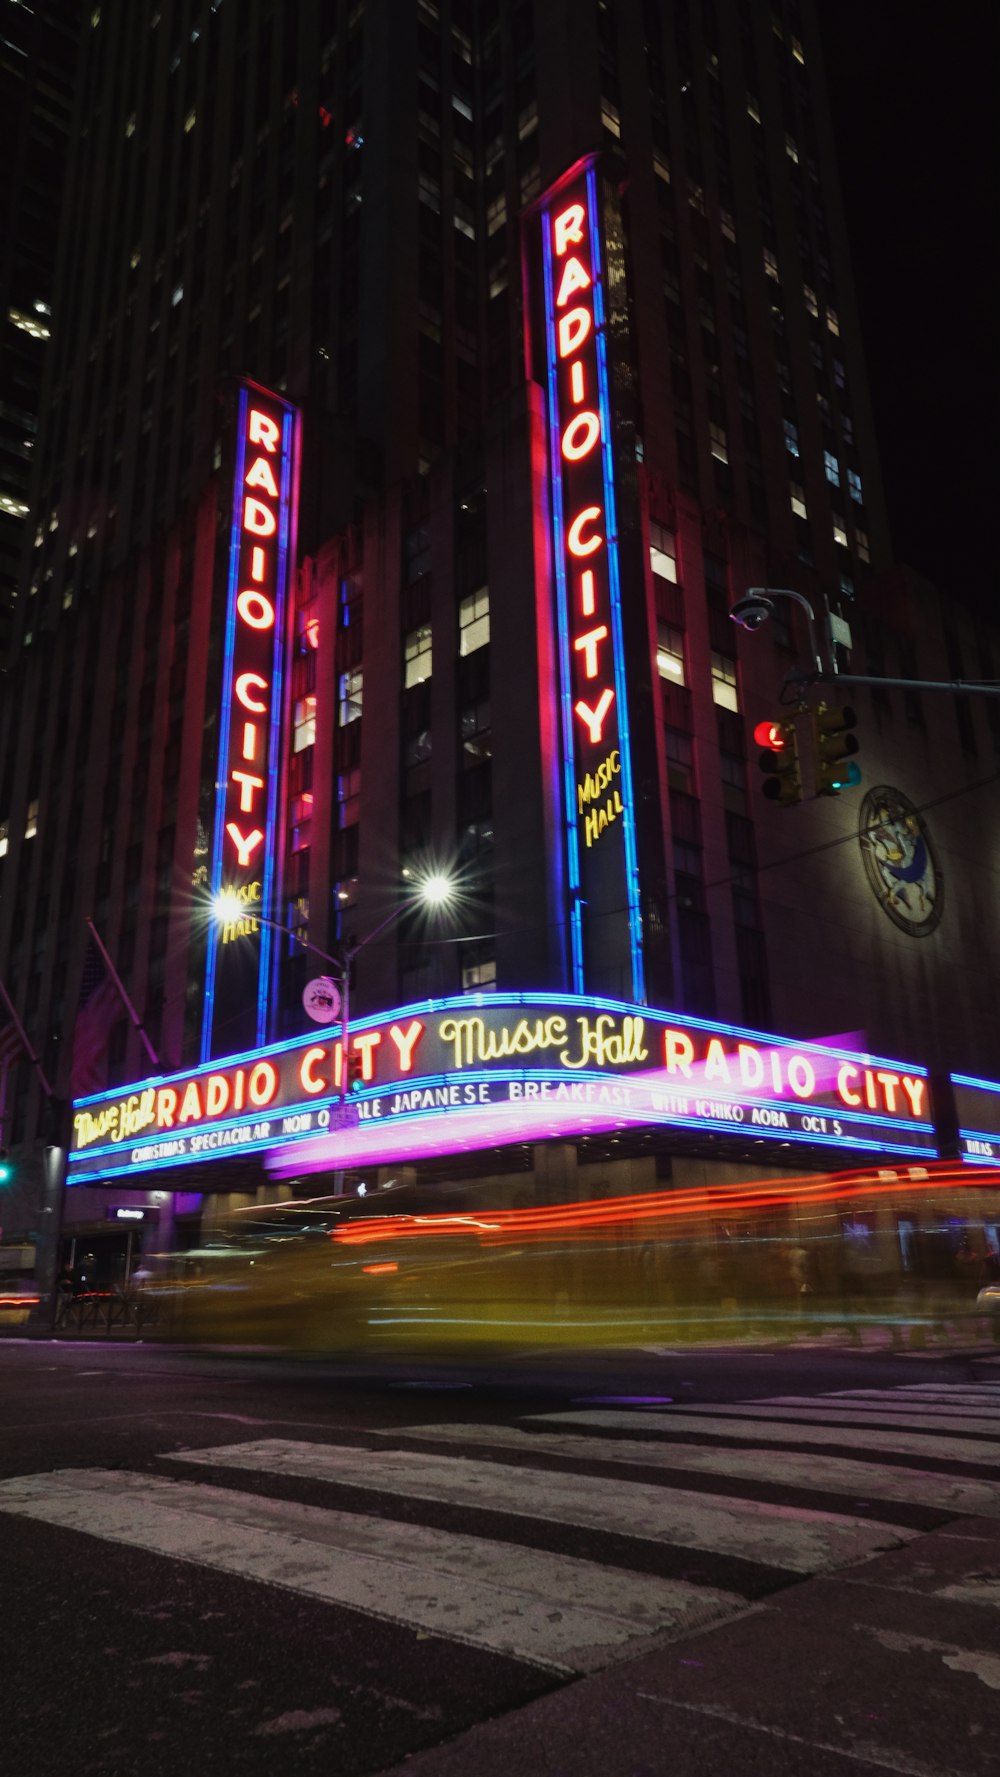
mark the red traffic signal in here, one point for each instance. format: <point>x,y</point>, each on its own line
<point>770,734</point>
<point>779,761</point>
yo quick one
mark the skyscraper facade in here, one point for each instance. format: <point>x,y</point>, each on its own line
<point>365,212</point>
<point>38,50</point>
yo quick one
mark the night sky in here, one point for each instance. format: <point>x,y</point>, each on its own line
<point>917,162</point>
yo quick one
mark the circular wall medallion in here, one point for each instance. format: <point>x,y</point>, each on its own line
<point>899,861</point>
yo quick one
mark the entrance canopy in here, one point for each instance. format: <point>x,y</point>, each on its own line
<point>478,1071</point>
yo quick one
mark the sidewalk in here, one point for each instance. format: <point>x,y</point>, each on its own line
<point>892,1666</point>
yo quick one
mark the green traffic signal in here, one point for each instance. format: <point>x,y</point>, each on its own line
<point>6,1169</point>
<point>833,744</point>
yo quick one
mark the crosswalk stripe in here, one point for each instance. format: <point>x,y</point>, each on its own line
<point>715,1422</point>
<point>985,1430</point>
<point>939,1413</point>
<point>942,1399</point>
<point>546,1609</point>
<point>792,1538</point>
<point>960,1495</point>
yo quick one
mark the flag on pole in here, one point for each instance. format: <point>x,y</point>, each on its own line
<point>97,1011</point>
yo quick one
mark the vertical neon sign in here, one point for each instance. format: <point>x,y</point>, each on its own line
<point>598,803</point>
<point>261,550</point>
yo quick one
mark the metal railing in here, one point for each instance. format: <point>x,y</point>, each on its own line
<point>128,1313</point>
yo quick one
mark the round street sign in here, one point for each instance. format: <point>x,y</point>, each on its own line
<point>321,999</point>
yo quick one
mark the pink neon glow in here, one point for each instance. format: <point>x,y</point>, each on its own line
<point>460,1130</point>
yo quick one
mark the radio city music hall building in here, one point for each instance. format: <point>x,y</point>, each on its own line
<point>427,382</point>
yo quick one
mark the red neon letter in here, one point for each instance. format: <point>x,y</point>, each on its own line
<point>845,1074</point>
<point>574,537</point>
<point>751,1064</point>
<point>262,475</point>
<point>216,1094</point>
<point>580,436</point>
<point>263,1083</point>
<point>306,1076</point>
<point>366,1044</point>
<point>577,387</point>
<point>405,1041</point>
<point>889,1082</point>
<point>573,329</point>
<point>245,846</point>
<point>190,1104</point>
<point>242,690</point>
<point>569,227</point>
<point>247,785</point>
<point>914,1090</point>
<point>575,277</point>
<point>588,645</point>
<point>259,518</point>
<point>678,1052</point>
<point>166,1104</point>
<point>250,740</point>
<point>587,592</point>
<point>257,565</point>
<point>801,1078</point>
<point>255,610</point>
<point>264,431</point>
<point>595,718</point>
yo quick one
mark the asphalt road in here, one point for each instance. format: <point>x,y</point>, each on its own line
<point>636,1563</point>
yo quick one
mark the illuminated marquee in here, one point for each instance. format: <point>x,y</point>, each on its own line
<point>583,1058</point>
<point>977,1105</point>
<point>598,808</point>
<point>247,785</point>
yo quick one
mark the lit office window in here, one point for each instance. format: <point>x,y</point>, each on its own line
<point>811,304</point>
<point>854,486</point>
<point>839,533</point>
<point>717,442</point>
<point>304,724</point>
<point>831,468</point>
<point>770,264</point>
<point>473,622</point>
<point>724,681</point>
<point>798,499</point>
<point>31,824</point>
<point>791,437</point>
<point>663,552</point>
<point>417,656</point>
<point>350,696</point>
<point>670,654</point>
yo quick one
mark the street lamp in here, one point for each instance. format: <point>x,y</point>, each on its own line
<point>435,890</point>
<point>757,605</point>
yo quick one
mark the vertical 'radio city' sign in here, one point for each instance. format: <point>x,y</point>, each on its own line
<point>248,781</point>
<point>601,865</point>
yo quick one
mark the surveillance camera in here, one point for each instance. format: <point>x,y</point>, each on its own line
<point>752,611</point>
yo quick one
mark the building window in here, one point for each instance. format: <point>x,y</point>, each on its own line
<point>717,442</point>
<point>4,838</point>
<point>862,546</point>
<point>791,437</point>
<point>350,696</point>
<point>770,264</point>
<point>831,468</point>
<point>417,656</point>
<point>473,622</point>
<point>670,654</point>
<point>349,798</point>
<point>854,486</point>
<point>833,322</point>
<point>304,724</point>
<point>475,728</point>
<point>679,747</point>
<point>724,681</point>
<point>31,824</point>
<point>811,304</point>
<point>480,976</point>
<point>839,533</point>
<point>610,119</point>
<point>798,499</point>
<point>663,552</point>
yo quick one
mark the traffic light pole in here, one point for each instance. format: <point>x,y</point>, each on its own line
<point>960,687</point>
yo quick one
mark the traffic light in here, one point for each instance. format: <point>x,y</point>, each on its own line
<point>6,1169</point>
<point>355,1074</point>
<point>779,758</point>
<point>833,745</point>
